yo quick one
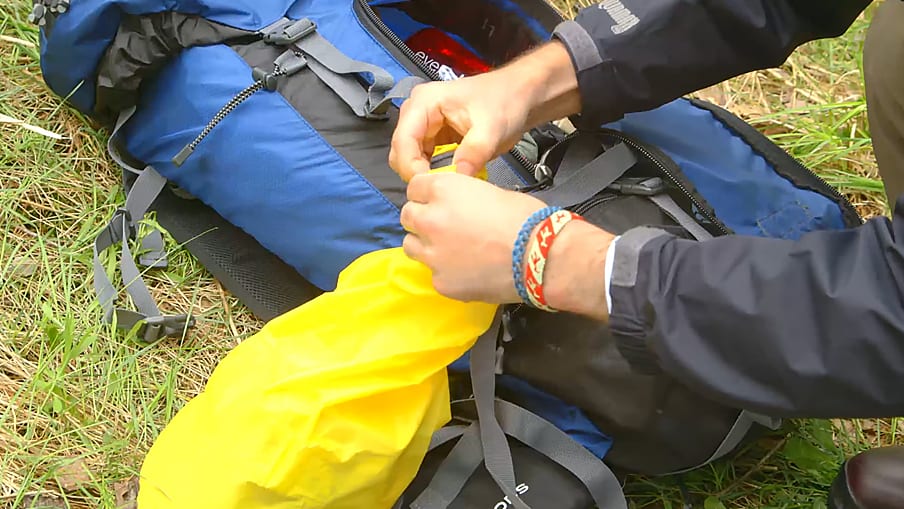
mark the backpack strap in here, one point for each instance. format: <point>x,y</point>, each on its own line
<point>338,71</point>
<point>671,209</point>
<point>122,228</point>
<point>496,452</point>
<point>486,441</point>
<point>576,184</point>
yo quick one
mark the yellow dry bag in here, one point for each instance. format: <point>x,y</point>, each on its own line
<point>331,405</point>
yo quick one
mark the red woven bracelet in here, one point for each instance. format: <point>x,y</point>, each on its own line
<point>542,241</point>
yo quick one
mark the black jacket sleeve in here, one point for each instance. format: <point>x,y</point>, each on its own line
<point>635,55</point>
<point>806,328</point>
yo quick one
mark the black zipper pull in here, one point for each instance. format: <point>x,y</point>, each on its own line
<point>287,64</point>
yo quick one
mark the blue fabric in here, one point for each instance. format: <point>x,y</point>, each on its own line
<point>741,186</point>
<point>404,26</point>
<point>263,168</point>
<point>80,36</point>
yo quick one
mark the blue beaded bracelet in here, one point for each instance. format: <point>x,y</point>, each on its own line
<point>521,244</point>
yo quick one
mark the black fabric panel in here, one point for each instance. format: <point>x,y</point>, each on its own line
<point>363,143</point>
<point>142,46</point>
<point>784,164</point>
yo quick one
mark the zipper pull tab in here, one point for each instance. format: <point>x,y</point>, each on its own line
<point>290,62</point>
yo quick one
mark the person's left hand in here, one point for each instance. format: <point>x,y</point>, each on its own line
<point>463,229</point>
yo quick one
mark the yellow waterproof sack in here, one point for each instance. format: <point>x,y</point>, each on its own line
<point>331,405</point>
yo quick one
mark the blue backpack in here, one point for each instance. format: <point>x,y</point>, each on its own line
<point>259,133</point>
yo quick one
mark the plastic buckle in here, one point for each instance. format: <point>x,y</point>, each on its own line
<point>156,327</point>
<point>290,32</point>
<point>120,214</point>
<point>640,186</point>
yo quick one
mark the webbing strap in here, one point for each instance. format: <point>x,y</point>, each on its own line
<point>668,205</point>
<point>123,226</point>
<point>338,72</point>
<point>444,435</point>
<point>573,186</point>
<point>120,230</point>
<point>153,253</point>
<point>496,452</point>
<point>401,90</point>
<point>736,435</point>
<point>542,436</point>
<point>453,473</point>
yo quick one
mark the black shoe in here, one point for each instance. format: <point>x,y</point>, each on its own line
<point>870,480</point>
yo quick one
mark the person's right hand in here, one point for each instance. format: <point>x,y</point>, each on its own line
<point>485,114</point>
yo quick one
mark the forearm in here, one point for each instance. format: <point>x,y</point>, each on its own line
<point>811,328</point>
<point>634,55</point>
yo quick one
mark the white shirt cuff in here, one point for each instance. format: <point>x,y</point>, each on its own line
<point>610,261</point>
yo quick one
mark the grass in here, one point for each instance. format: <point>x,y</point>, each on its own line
<point>79,404</point>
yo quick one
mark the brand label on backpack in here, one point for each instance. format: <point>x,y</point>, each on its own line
<point>445,72</point>
<point>506,503</point>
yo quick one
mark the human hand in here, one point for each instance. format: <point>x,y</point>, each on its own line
<point>485,114</point>
<point>464,230</point>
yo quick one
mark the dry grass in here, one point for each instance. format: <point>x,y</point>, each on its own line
<point>80,404</point>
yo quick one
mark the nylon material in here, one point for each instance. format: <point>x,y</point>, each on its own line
<point>741,186</point>
<point>363,143</point>
<point>81,35</point>
<point>345,31</point>
<point>318,232</point>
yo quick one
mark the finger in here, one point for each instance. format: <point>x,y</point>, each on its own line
<point>413,247</point>
<point>414,138</point>
<point>477,147</point>
<point>406,153</point>
<point>421,188</point>
<point>410,217</point>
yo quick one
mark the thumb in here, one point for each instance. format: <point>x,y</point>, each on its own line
<point>479,145</point>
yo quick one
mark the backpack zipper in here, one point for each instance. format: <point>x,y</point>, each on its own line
<point>375,20</point>
<point>287,64</point>
<point>662,163</point>
<point>657,158</point>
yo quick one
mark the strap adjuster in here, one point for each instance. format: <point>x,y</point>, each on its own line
<point>154,328</point>
<point>290,32</point>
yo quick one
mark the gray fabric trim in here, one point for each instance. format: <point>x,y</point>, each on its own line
<point>668,205</point>
<point>584,53</point>
<point>627,253</point>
